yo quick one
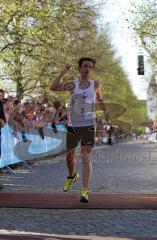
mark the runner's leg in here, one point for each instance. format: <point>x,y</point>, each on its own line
<point>71,162</point>
<point>86,165</point>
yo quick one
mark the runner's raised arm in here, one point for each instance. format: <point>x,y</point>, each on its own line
<point>56,84</point>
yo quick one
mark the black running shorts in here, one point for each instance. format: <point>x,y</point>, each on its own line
<point>75,135</point>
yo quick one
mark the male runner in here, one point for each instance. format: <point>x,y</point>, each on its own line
<point>81,125</point>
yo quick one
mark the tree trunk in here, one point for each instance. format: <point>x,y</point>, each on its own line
<point>19,90</point>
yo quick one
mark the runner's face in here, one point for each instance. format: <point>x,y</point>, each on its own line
<point>86,68</point>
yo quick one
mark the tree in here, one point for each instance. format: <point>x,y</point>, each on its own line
<point>144,25</point>
<point>35,33</point>
<point>38,37</point>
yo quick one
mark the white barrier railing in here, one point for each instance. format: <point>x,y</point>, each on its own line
<point>14,150</point>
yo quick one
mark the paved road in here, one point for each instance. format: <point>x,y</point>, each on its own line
<point>122,168</point>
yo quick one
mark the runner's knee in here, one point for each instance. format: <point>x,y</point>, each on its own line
<point>86,157</point>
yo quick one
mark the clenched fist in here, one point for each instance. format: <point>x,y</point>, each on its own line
<point>66,67</point>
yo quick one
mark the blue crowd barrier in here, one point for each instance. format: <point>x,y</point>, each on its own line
<point>14,150</point>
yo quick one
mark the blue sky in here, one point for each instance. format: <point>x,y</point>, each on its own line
<point>127,48</point>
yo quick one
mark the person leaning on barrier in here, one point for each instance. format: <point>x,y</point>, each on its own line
<point>2,119</point>
<point>62,116</point>
<point>2,115</point>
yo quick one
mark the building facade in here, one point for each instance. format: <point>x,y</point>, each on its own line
<point>152,98</point>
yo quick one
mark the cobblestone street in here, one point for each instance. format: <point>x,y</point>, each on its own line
<point>122,168</point>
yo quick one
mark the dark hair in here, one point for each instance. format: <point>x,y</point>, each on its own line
<point>2,91</point>
<point>5,100</point>
<point>16,102</point>
<point>81,60</point>
<point>26,103</point>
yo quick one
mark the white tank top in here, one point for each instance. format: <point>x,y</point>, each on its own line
<point>82,105</point>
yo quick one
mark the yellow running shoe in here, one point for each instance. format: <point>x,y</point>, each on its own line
<point>84,195</point>
<point>69,182</point>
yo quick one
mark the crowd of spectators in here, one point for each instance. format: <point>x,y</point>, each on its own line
<point>28,113</point>
<point>32,113</point>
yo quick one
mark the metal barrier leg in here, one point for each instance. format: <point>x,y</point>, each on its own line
<point>10,170</point>
<point>27,165</point>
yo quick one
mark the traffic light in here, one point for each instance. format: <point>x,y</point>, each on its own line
<point>140,68</point>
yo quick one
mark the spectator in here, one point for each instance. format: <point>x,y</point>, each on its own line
<point>2,118</point>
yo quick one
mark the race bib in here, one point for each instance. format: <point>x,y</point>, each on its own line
<point>83,106</point>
